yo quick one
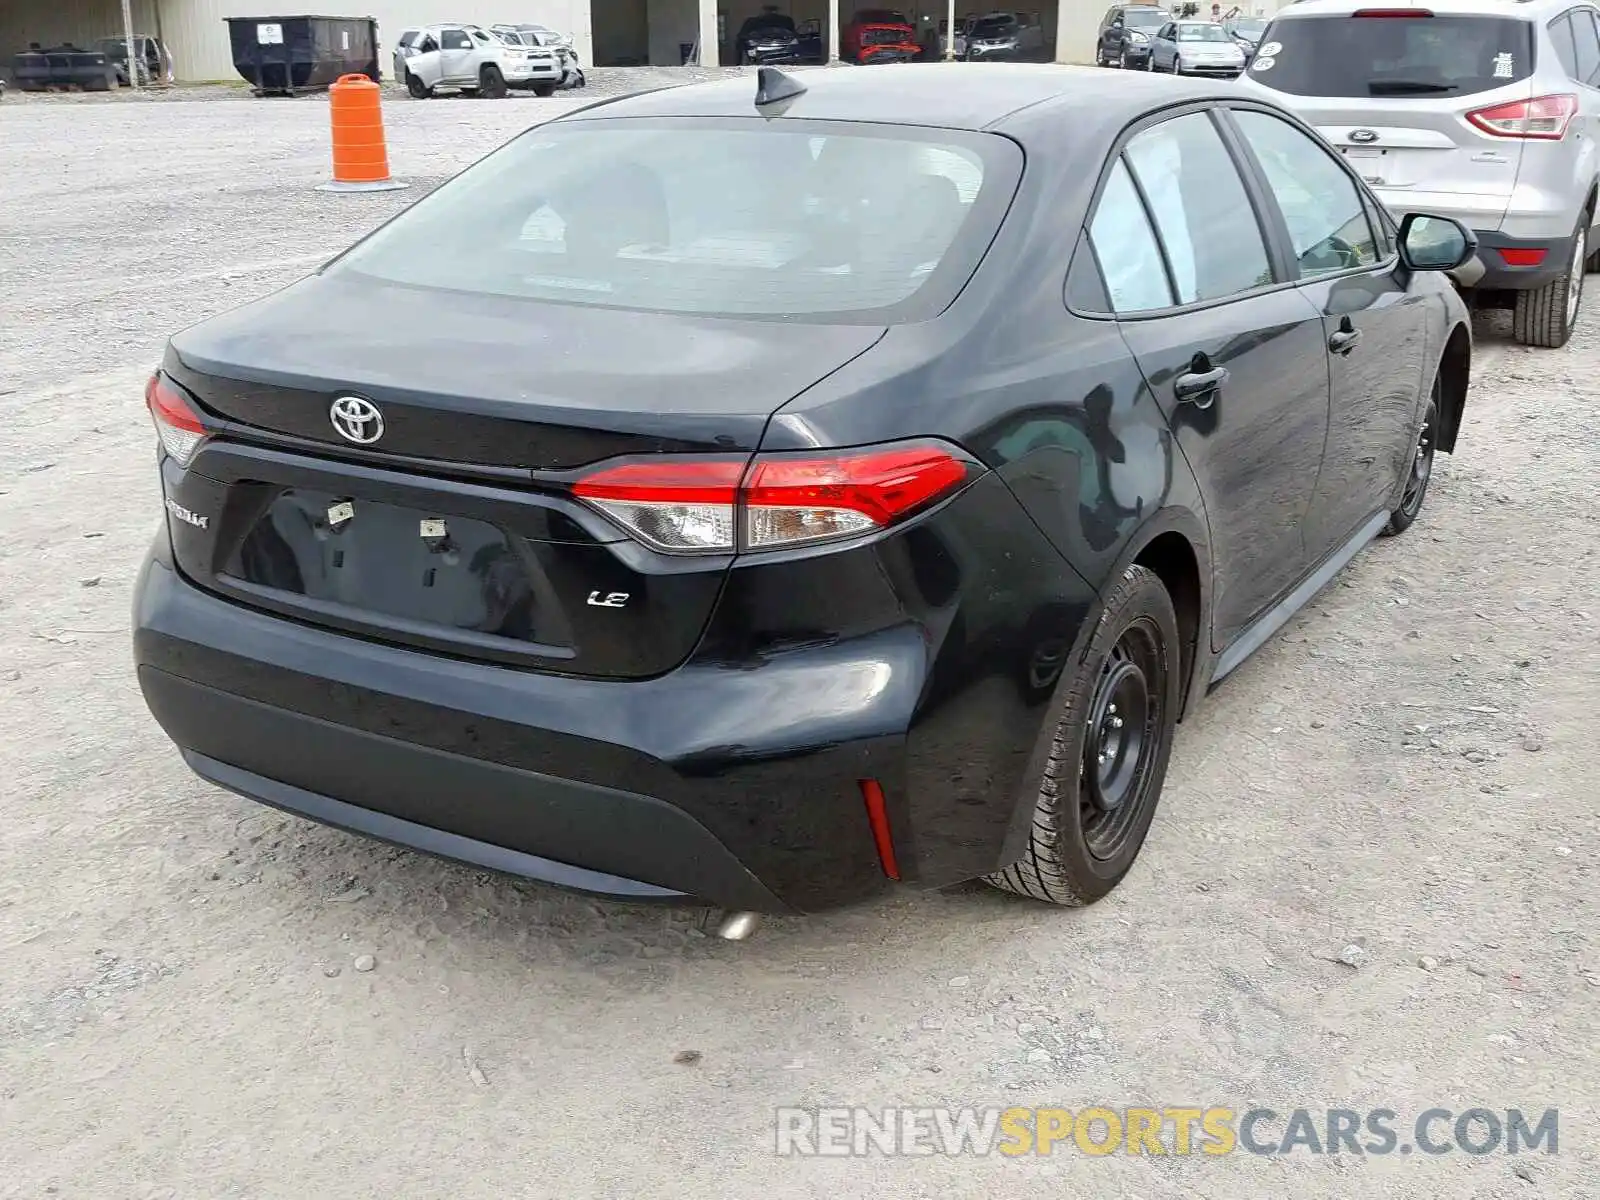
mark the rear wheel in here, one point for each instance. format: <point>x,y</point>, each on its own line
<point>418,89</point>
<point>491,84</point>
<point>1421,472</point>
<point>1109,752</point>
<point>1545,316</point>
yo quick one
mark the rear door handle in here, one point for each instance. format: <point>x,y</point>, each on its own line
<point>1200,387</point>
<point>1344,341</point>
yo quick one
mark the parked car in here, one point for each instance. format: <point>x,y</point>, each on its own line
<point>863,567</point>
<point>1246,31</point>
<point>472,60</point>
<point>809,35</point>
<point>768,37</point>
<point>150,58</point>
<point>539,35</point>
<point>1125,33</point>
<point>1005,37</point>
<point>1483,111</point>
<point>879,35</point>
<point>1195,48</point>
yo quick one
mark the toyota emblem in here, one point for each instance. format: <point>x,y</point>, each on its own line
<point>356,420</point>
<point>1363,137</point>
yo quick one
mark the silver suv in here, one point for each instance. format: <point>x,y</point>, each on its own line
<point>1483,110</point>
<point>470,59</point>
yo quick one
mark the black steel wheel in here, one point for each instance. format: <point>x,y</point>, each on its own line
<point>1110,743</point>
<point>492,84</point>
<point>1421,471</point>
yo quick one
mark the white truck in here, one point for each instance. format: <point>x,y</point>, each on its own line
<point>472,60</point>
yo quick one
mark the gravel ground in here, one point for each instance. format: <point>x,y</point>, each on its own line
<point>201,997</point>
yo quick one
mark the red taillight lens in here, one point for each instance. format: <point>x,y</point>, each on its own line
<point>1522,257</point>
<point>789,500</point>
<point>716,506</point>
<point>1544,118</point>
<point>177,424</point>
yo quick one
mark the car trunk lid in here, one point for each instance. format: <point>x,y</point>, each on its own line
<point>455,530</point>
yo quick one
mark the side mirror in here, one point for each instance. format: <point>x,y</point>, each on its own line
<point>1430,243</point>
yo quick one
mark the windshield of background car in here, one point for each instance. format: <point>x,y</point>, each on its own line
<point>1250,26</point>
<point>1144,18</point>
<point>1441,55</point>
<point>1201,33</point>
<point>803,220</point>
<point>995,27</point>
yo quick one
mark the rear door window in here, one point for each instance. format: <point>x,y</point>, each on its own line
<point>1440,55</point>
<point>1201,209</point>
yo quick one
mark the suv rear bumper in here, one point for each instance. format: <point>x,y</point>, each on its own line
<point>1554,255</point>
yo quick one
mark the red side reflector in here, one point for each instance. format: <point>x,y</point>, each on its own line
<point>878,818</point>
<point>1522,257</point>
<point>1400,13</point>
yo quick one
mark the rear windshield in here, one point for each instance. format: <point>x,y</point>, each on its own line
<point>1393,56</point>
<point>751,218</point>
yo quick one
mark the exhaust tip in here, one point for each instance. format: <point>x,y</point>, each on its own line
<point>737,926</point>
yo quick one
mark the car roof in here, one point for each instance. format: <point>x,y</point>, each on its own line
<point>939,95</point>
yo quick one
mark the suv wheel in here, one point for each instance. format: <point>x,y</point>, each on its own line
<point>418,89</point>
<point>492,84</point>
<point>1545,316</point>
<point>1108,757</point>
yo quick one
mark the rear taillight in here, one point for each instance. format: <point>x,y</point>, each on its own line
<point>1544,117</point>
<point>177,424</point>
<point>719,505</point>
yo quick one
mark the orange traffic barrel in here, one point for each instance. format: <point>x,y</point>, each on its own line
<point>360,154</point>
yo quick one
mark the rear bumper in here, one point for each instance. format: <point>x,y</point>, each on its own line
<point>1518,274</point>
<point>734,779</point>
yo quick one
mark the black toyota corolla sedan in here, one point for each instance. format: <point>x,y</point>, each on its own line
<point>774,493</point>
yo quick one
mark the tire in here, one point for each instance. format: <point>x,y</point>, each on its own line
<point>1080,846</point>
<point>418,89</point>
<point>1416,490</point>
<point>544,89</point>
<point>492,84</point>
<point>1545,316</point>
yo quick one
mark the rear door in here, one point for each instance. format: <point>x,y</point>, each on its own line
<point>1374,320</point>
<point>1393,88</point>
<point>1232,351</point>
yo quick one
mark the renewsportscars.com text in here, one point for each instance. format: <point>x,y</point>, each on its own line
<point>1171,1130</point>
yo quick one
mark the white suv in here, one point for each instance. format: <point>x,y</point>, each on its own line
<point>1483,110</point>
<point>473,60</point>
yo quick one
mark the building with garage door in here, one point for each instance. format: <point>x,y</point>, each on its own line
<point>605,32</point>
